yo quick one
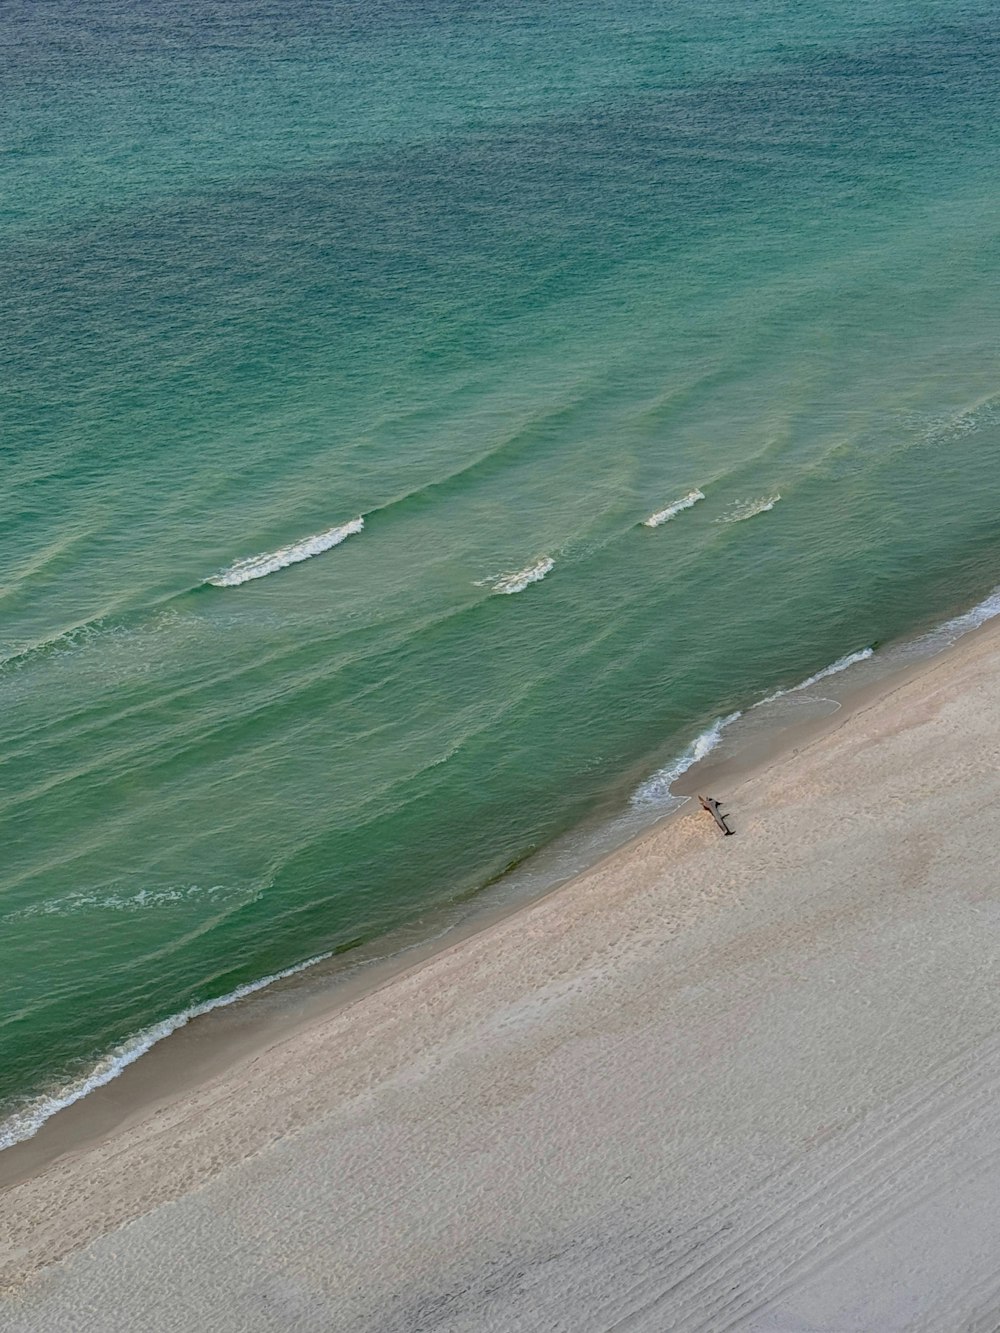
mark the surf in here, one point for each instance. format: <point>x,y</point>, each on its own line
<point>269,562</point>
<point>672,510</point>
<point>834,669</point>
<point>741,510</point>
<point>27,1120</point>
<point>655,790</point>
<point>507,584</point>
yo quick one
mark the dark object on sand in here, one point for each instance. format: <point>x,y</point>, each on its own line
<point>714,809</point>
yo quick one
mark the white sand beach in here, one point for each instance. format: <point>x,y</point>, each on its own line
<point>714,1083</point>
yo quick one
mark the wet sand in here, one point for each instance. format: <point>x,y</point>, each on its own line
<point>712,1083</point>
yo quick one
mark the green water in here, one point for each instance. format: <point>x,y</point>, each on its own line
<point>504,280</point>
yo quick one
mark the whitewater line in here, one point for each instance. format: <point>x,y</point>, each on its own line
<point>740,510</point>
<point>841,664</point>
<point>27,1121</point>
<point>269,562</point>
<point>656,788</point>
<point>523,578</point>
<point>672,510</point>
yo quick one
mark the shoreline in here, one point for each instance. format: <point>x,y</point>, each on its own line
<point>224,1034</point>
<point>244,1103</point>
<point>710,1082</point>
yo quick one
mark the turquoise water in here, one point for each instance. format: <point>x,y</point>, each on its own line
<point>502,281</point>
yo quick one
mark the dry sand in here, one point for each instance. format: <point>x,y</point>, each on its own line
<point>715,1083</point>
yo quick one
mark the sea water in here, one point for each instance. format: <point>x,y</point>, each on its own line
<point>422,422</point>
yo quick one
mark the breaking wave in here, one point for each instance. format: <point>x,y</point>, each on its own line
<point>841,664</point>
<point>523,578</point>
<point>257,566</point>
<point>29,1118</point>
<point>672,510</point>
<point>656,789</point>
<point>130,629</point>
<point>953,629</point>
<point>741,510</point>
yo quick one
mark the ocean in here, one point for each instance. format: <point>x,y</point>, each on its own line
<point>423,424</point>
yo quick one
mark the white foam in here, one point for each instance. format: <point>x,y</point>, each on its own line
<point>953,629</point>
<point>256,566</point>
<point>935,428</point>
<point>27,1121</point>
<point>523,578</point>
<point>741,510</point>
<point>841,664</point>
<point>656,789</point>
<point>672,510</point>
<point>142,900</point>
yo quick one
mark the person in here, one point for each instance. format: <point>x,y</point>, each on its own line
<point>710,804</point>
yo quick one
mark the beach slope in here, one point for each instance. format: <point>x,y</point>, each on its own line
<point>714,1083</point>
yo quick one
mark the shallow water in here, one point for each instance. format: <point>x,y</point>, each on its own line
<point>504,283</point>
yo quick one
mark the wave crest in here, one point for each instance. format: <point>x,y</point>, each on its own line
<point>841,664</point>
<point>672,510</point>
<point>741,510</point>
<point>656,789</point>
<point>142,900</point>
<point>269,562</point>
<point>953,629</point>
<point>523,578</point>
